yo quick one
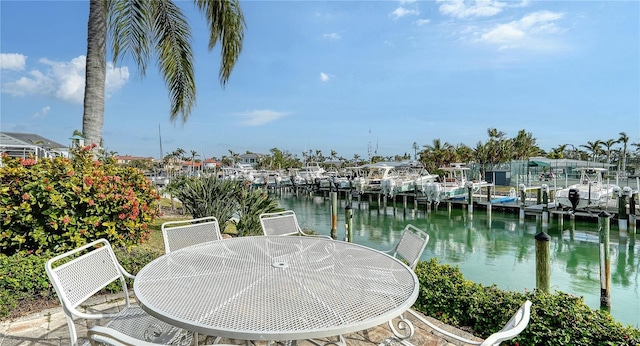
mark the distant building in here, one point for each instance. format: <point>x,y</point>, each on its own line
<point>16,144</point>
<point>249,159</point>
<point>126,159</point>
<point>211,164</point>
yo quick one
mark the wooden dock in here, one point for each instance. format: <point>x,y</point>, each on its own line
<point>533,205</point>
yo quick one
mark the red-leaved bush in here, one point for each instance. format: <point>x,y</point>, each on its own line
<point>59,204</point>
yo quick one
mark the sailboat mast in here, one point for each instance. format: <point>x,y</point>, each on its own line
<point>160,137</point>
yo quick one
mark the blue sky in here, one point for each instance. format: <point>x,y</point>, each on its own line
<point>345,76</point>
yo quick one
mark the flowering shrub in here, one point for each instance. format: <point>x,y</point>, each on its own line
<point>59,204</point>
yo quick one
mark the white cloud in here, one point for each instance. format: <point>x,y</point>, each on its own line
<point>421,22</point>
<point>476,8</point>
<point>63,80</point>
<point>401,12</point>
<point>529,31</point>
<point>42,113</point>
<point>12,61</point>
<point>331,36</point>
<point>324,77</point>
<point>261,117</point>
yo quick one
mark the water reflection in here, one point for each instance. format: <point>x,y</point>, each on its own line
<point>501,251</point>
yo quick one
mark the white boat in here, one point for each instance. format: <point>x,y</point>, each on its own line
<point>370,176</point>
<point>408,177</point>
<point>311,173</point>
<point>453,185</point>
<point>590,192</point>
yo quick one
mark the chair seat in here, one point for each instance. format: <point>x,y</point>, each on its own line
<point>135,322</point>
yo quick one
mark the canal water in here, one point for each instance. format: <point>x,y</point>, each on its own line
<point>498,250</point>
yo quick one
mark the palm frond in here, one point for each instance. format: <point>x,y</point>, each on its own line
<point>172,37</point>
<point>130,25</point>
<point>226,24</point>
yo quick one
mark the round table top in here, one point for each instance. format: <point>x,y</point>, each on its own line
<point>276,288</point>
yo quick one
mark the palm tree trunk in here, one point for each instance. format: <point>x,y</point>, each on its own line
<point>96,70</point>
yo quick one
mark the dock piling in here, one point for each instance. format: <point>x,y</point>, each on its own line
<point>605,262</point>
<point>545,205</point>
<point>334,215</point>
<point>543,261</point>
<point>623,219</point>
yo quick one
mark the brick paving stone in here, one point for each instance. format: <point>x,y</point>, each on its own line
<point>49,328</point>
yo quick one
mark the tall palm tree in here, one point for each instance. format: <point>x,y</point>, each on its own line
<point>524,146</point>
<point>608,144</point>
<point>624,139</point>
<point>145,27</point>
<point>557,153</point>
<point>593,147</point>
<point>193,159</point>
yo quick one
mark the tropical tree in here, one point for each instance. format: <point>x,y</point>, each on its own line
<point>193,158</point>
<point>437,154</point>
<point>594,147</point>
<point>497,147</point>
<point>464,153</point>
<point>524,146</point>
<point>624,139</point>
<point>143,28</point>
<point>558,152</point>
<point>608,144</point>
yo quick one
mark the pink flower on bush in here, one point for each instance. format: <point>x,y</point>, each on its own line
<point>96,224</point>
<point>26,197</point>
<point>102,196</point>
<point>70,173</point>
<point>27,161</point>
<point>66,219</point>
<point>88,181</point>
<point>121,216</point>
<point>91,202</point>
<point>48,188</point>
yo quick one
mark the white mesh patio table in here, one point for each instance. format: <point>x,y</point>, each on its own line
<point>276,288</point>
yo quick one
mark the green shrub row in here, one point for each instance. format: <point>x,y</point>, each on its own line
<point>25,278</point>
<point>556,318</point>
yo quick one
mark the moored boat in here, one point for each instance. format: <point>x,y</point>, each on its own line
<point>590,192</point>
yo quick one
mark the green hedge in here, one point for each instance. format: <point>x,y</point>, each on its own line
<point>556,318</point>
<point>24,277</point>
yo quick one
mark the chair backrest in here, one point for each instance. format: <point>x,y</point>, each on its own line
<point>99,336</point>
<point>92,268</point>
<point>515,326</point>
<point>78,274</point>
<point>280,223</point>
<point>411,245</point>
<point>183,233</point>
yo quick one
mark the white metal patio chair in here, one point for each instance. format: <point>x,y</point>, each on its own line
<point>411,245</point>
<point>79,274</point>
<point>511,329</point>
<point>183,233</point>
<point>283,223</point>
<point>99,336</point>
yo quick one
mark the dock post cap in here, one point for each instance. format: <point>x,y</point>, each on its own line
<point>604,214</point>
<point>542,236</point>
